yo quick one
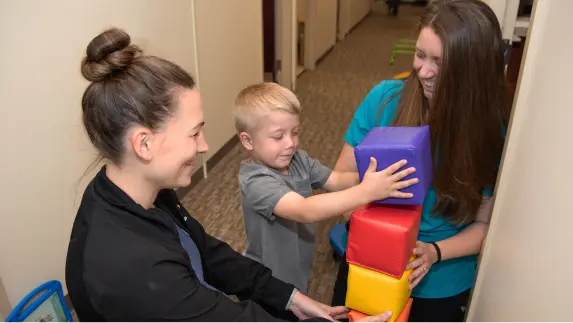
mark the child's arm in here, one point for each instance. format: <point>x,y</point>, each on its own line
<point>293,206</point>
<point>327,179</point>
<point>338,181</point>
<point>375,186</point>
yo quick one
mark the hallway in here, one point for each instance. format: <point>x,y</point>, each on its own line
<point>329,96</point>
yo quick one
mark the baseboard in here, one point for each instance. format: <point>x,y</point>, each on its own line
<point>341,37</point>
<point>212,162</point>
<point>359,22</point>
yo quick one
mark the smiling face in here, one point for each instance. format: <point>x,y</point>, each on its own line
<point>427,60</point>
<point>275,140</point>
<point>182,140</point>
<point>169,154</point>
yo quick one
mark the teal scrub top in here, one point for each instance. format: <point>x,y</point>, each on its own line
<point>449,277</point>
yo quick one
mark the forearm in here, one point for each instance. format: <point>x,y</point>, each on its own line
<point>339,181</point>
<point>467,242</point>
<point>324,206</point>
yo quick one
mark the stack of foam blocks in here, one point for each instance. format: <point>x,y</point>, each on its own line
<point>383,234</point>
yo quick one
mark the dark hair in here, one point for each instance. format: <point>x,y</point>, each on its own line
<point>127,88</point>
<point>470,108</point>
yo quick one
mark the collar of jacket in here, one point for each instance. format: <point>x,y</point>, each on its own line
<point>166,200</point>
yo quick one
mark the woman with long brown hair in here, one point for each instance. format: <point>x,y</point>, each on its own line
<point>457,87</point>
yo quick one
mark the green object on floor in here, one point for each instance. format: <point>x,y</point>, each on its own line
<point>404,46</point>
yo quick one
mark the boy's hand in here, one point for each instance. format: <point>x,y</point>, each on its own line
<point>384,184</point>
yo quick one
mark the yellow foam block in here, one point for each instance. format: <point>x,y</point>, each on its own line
<point>372,293</point>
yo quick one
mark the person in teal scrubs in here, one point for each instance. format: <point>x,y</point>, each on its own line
<point>457,87</point>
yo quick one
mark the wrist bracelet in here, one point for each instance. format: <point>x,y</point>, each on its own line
<point>438,251</point>
<point>291,299</point>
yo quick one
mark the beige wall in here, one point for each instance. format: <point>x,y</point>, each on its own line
<point>325,36</point>
<point>525,269</point>
<point>302,7</point>
<point>286,42</point>
<point>45,151</point>
<point>230,57</point>
<point>351,12</point>
<point>506,12</point>
<point>498,7</point>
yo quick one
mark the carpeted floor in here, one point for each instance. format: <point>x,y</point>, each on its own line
<point>329,96</point>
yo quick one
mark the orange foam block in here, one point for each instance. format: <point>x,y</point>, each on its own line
<point>382,237</point>
<point>354,316</point>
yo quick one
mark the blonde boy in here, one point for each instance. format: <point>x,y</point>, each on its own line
<point>277,180</point>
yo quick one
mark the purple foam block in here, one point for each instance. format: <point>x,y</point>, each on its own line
<point>389,145</point>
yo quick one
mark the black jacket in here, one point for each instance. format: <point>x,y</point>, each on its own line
<point>126,263</point>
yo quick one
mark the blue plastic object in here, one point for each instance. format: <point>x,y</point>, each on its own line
<point>338,239</point>
<point>46,303</point>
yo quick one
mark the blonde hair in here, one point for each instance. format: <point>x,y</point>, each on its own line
<point>260,99</point>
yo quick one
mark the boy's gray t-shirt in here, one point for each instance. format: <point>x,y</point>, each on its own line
<point>285,246</point>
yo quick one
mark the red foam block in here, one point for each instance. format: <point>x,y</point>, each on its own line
<point>382,237</point>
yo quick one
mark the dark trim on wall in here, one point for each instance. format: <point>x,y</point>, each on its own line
<point>212,162</point>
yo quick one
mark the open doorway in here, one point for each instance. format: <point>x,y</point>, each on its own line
<point>269,41</point>
<point>289,34</point>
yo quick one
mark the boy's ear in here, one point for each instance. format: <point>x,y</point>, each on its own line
<point>246,140</point>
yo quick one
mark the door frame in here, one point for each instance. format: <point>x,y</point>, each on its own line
<point>286,44</point>
<point>310,35</point>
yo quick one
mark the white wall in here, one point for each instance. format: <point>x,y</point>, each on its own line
<point>286,42</point>
<point>525,269</point>
<point>325,36</point>
<point>230,57</point>
<point>45,150</point>
<point>506,12</point>
<point>351,13</point>
<point>498,7</point>
<point>358,10</point>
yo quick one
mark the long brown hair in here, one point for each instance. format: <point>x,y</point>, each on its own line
<point>469,109</point>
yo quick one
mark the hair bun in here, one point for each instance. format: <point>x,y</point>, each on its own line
<point>108,52</point>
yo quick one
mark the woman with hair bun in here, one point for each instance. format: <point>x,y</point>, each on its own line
<point>135,254</point>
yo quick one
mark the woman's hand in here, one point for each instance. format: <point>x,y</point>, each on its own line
<point>426,256</point>
<point>305,307</point>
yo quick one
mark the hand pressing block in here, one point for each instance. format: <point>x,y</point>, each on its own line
<point>382,237</point>
<point>372,293</point>
<point>354,316</point>
<point>388,145</point>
